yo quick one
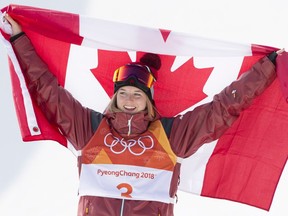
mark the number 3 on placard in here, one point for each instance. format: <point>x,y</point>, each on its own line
<point>128,191</point>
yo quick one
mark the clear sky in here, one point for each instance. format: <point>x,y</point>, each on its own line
<point>40,179</point>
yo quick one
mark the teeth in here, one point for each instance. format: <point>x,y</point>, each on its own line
<point>129,107</point>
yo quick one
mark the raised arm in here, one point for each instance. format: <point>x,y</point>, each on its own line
<point>57,104</point>
<point>209,121</point>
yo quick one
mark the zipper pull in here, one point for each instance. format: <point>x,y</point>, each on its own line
<point>130,125</point>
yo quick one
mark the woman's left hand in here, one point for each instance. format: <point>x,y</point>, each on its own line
<point>280,51</point>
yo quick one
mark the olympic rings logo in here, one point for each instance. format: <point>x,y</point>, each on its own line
<point>128,144</point>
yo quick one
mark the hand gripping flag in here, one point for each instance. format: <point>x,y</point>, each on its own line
<point>244,165</point>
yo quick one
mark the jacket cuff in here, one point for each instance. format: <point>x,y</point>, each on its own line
<point>15,37</point>
<point>272,56</point>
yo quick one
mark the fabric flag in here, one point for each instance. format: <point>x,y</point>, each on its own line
<point>244,165</point>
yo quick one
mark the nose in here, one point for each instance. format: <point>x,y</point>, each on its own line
<point>130,97</point>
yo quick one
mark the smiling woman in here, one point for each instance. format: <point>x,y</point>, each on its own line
<point>40,163</point>
<point>133,86</point>
<point>131,99</point>
<point>138,95</point>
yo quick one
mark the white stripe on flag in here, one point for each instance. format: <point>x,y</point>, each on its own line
<point>193,169</point>
<point>111,35</point>
<point>30,115</point>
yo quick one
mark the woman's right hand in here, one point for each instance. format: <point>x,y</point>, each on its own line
<point>279,52</point>
<point>16,28</point>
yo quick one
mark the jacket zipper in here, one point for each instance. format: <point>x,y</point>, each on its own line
<point>122,208</point>
<point>130,125</point>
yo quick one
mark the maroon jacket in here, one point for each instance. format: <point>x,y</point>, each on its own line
<point>186,132</point>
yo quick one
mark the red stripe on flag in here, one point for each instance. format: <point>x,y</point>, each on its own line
<point>50,23</point>
<point>282,71</point>
<point>261,49</point>
<point>249,158</point>
<point>48,132</point>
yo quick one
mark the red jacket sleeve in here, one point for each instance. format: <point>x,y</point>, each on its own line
<point>57,104</point>
<point>209,121</point>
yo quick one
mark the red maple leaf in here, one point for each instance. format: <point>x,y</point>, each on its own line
<point>174,91</point>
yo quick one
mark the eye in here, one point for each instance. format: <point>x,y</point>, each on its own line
<point>122,93</point>
<point>137,94</point>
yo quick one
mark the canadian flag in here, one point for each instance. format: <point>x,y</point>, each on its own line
<point>244,165</point>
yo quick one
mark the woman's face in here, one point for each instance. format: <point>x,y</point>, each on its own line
<point>131,99</point>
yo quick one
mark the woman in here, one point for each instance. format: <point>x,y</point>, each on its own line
<point>131,156</point>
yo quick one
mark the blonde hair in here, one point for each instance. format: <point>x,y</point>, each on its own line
<point>112,106</point>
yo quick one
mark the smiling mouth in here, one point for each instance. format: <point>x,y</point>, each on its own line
<point>130,108</point>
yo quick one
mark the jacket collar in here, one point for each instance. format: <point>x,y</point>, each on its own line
<point>129,125</point>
